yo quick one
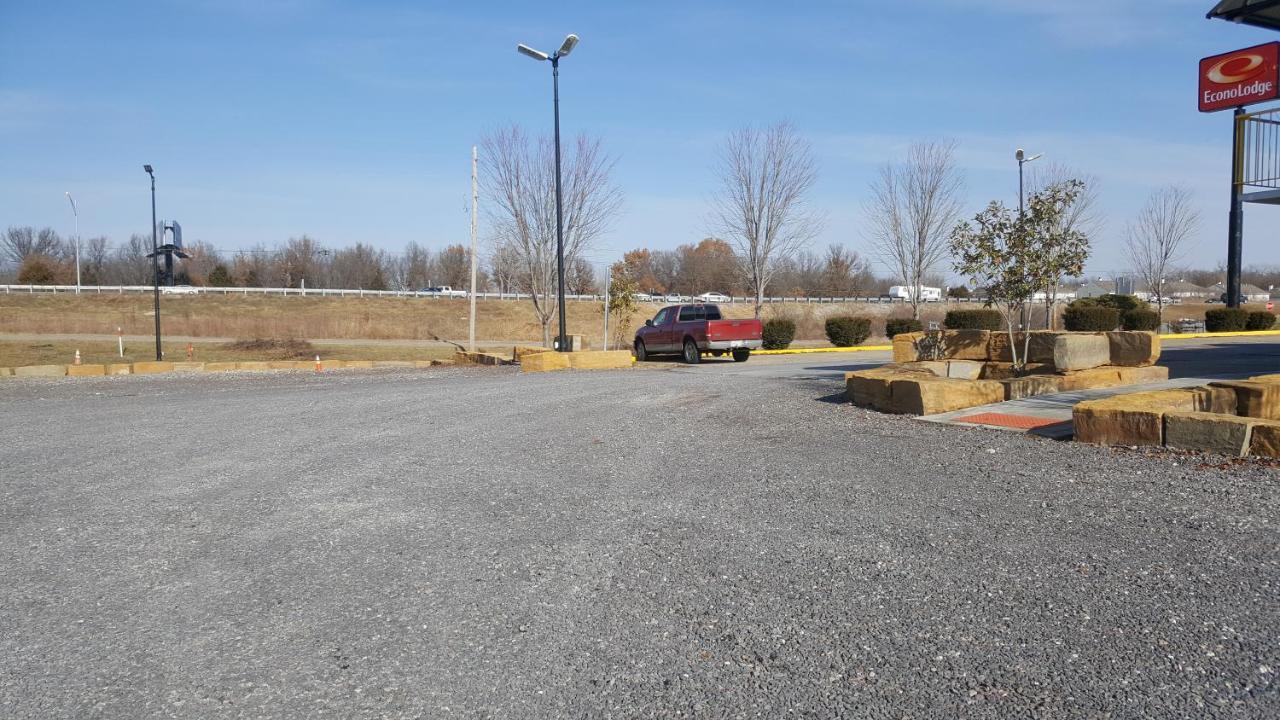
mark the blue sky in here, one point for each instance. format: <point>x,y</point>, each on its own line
<point>353,121</point>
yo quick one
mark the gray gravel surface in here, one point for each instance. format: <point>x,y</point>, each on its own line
<point>656,543</point>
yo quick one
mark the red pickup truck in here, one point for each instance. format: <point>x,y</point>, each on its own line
<point>692,330</point>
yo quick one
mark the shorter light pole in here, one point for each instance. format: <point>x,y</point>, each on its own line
<point>1023,160</point>
<point>76,213</point>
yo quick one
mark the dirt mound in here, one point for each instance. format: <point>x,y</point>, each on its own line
<point>275,348</point>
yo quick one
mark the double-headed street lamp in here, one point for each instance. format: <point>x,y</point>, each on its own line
<point>1023,160</point>
<point>76,213</point>
<point>155,260</point>
<point>562,342</point>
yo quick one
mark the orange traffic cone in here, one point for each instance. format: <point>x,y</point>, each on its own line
<point>191,352</point>
<point>318,368</point>
<point>77,356</point>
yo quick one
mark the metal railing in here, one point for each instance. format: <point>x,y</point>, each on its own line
<point>341,292</point>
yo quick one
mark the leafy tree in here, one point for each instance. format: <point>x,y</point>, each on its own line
<point>39,269</point>
<point>1016,255</point>
<point>220,277</point>
<point>621,303</point>
<point>960,291</point>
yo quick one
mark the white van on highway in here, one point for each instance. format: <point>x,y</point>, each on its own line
<point>926,294</point>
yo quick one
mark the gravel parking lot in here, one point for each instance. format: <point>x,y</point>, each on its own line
<point>666,542</point>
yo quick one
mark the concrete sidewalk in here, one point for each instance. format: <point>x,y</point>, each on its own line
<point>1047,415</point>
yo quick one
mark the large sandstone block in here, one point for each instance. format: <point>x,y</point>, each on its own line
<point>393,363</point>
<point>1207,432</point>
<point>1080,351</point>
<point>86,370</point>
<point>1133,349</point>
<point>1254,399</point>
<point>152,367</point>
<point>930,396</point>
<point>933,367</point>
<point>871,388</point>
<point>965,344</point>
<point>521,350</point>
<point>360,364</point>
<point>601,359</point>
<point>1266,378</point>
<point>220,366</point>
<point>1038,348</point>
<point>1140,375</point>
<point>1264,440</point>
<point>906,347</point>
<point>964,369</point>
<point>120,369</point>
<point>1091,378</point>
<point>545,362</point>
<point>188,367</point>
<point>6,372</point>
<point>253,365</point>
<point>1031,385</point>
<point>1138,418</point>
<point>40,371</point>
<point>1006,371</point>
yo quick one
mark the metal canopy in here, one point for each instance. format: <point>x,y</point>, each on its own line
<point>1259,13</point>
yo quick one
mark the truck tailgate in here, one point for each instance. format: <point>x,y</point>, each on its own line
<point>723,330</point>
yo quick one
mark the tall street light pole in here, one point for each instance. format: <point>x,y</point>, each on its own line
<point>155,260</point>
<point>76,213</point>
<point>562,342</point>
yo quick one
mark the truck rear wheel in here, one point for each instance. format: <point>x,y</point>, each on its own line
<point>741,355</point>
<point>691,354</point>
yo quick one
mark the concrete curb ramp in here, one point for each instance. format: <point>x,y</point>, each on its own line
<point>1235,418</point>
<point>156,368</point>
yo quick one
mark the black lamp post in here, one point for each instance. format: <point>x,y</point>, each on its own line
<point>1023,160</point>
<point>155,260</point>
<point>562,342</point>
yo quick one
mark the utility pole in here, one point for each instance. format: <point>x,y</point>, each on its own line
<point>475,199</point>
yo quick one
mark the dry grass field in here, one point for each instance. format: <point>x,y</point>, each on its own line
<point>379,318</point>
<point>62,352</point>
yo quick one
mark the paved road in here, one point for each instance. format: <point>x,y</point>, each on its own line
<point>664,543</point>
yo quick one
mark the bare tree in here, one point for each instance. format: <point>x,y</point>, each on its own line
<point>1082,215</point>
<point>765,175</point>
<point>912,210</point>
<point>19,242</point>
<point>1154,241</point>
<point>519,178</point>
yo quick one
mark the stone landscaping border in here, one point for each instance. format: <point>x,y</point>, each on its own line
<point>944,371</point>
<point>1237,418</point>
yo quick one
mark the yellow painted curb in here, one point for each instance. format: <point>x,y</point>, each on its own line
<point>1238,333</point>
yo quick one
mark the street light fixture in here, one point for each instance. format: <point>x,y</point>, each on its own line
<point>1023,160</point>
<point>570,42</point>
<point>76,213</point>
<point>155,260</point>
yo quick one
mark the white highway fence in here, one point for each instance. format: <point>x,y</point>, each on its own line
<point>320,292</point>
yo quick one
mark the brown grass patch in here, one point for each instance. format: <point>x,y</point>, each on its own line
<point>274,348</point>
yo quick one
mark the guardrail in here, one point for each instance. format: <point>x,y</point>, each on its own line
<point>341,292</point>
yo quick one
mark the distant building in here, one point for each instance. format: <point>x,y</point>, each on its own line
<point>1252,293</point>
<point>1096,288</point>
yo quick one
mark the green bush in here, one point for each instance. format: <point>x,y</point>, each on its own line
<point>1260,320</point>
<point>897,326</point>
<point>1090,318</point>
<point>779,333</point>
<point>1122,303</point>
<point>973,320</point>
<point>847,331</point>
<point>1147,320</point>
<point>1226,320</point>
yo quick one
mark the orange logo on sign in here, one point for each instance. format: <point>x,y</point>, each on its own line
<point>1236,69</point>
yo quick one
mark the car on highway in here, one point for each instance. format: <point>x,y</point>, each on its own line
<point>691,330</point>
<point>673,298</point>
<point>180,290</point>
<point>713,297</point>
<point>642,297</point>
<point>443,291</point>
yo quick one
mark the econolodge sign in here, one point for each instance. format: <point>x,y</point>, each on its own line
<point>1240,78</point>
